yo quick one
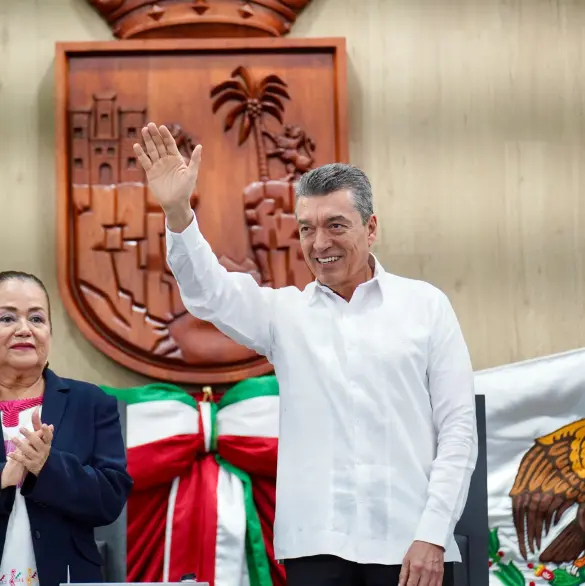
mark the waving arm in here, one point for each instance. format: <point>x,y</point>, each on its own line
<point>231,301</point>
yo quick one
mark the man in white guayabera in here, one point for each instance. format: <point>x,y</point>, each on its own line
<point>373,477</point>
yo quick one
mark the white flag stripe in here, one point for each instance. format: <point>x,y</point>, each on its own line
<point>157,420</point>
<point>169,528</point>
<point>256,417</point>
<point>231,567</point>
<point>205,409</point>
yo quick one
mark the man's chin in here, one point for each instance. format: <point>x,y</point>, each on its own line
<point>328,276</point>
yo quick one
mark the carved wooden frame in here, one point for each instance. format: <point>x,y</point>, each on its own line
<point>104,341</point>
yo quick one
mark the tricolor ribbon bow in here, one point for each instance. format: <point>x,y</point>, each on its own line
<point>204,484</point>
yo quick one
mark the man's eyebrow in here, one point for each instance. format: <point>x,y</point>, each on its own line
<point>329,220</point>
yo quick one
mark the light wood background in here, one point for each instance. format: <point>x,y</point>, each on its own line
<point>468,116</point>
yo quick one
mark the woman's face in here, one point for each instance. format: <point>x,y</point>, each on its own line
<point>25,329</point>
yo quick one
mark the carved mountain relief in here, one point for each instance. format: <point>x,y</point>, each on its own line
<point>114,275</point>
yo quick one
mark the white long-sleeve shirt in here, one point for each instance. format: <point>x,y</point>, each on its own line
<point>378,433</point>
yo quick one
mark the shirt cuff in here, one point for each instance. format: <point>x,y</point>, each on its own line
<point>434,528</point>
<point>189,237</point>
<point>191,224</point>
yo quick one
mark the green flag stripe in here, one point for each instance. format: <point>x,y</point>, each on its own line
<point>213,413</point>
<point>153,392</point>
<point>263,386</point>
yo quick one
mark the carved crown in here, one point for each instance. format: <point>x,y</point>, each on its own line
<point>199,18</point>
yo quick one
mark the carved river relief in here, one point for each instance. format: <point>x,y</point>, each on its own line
<point>120,275</point>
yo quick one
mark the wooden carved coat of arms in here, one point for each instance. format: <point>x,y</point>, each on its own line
<point>265,111</point>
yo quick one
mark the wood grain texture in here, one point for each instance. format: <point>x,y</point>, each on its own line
<point>468,117</point>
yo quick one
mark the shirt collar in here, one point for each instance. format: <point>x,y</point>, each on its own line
<point>320,289</point>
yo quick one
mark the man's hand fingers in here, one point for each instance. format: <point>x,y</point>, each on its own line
<point>168,140</point>
<point>149,144</point>
<point>142,157</point>
<point>195,162</point>
<point>196,156</point>
<point>414,573</point>
<point>157,139</point>
<point>403,573</point>
<point>427,577</point>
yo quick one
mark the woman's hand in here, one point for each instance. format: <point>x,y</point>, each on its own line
<point>13,473</point>
<point>32,453</point>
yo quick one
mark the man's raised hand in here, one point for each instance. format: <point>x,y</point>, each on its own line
<point>170,179</point>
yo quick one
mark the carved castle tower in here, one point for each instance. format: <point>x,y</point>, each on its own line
<point>101,140</point>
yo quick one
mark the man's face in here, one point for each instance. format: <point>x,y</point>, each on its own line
<point>334,240</point>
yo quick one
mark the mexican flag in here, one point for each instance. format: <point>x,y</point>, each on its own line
<point>535,417</point>
<point>204,473</point>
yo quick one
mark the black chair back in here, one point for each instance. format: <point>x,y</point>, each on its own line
<point>111,539</point>
<point>472,531</point>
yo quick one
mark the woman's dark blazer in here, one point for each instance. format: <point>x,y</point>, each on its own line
<point>83,484</point>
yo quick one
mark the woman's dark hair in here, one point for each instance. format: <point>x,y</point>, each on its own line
<point>21,276</point>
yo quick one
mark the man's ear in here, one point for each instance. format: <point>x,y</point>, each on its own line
<point>372,229</point>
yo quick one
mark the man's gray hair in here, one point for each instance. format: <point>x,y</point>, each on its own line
<point>336,177</point>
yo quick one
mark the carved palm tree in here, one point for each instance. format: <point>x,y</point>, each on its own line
<point>254,99</point>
